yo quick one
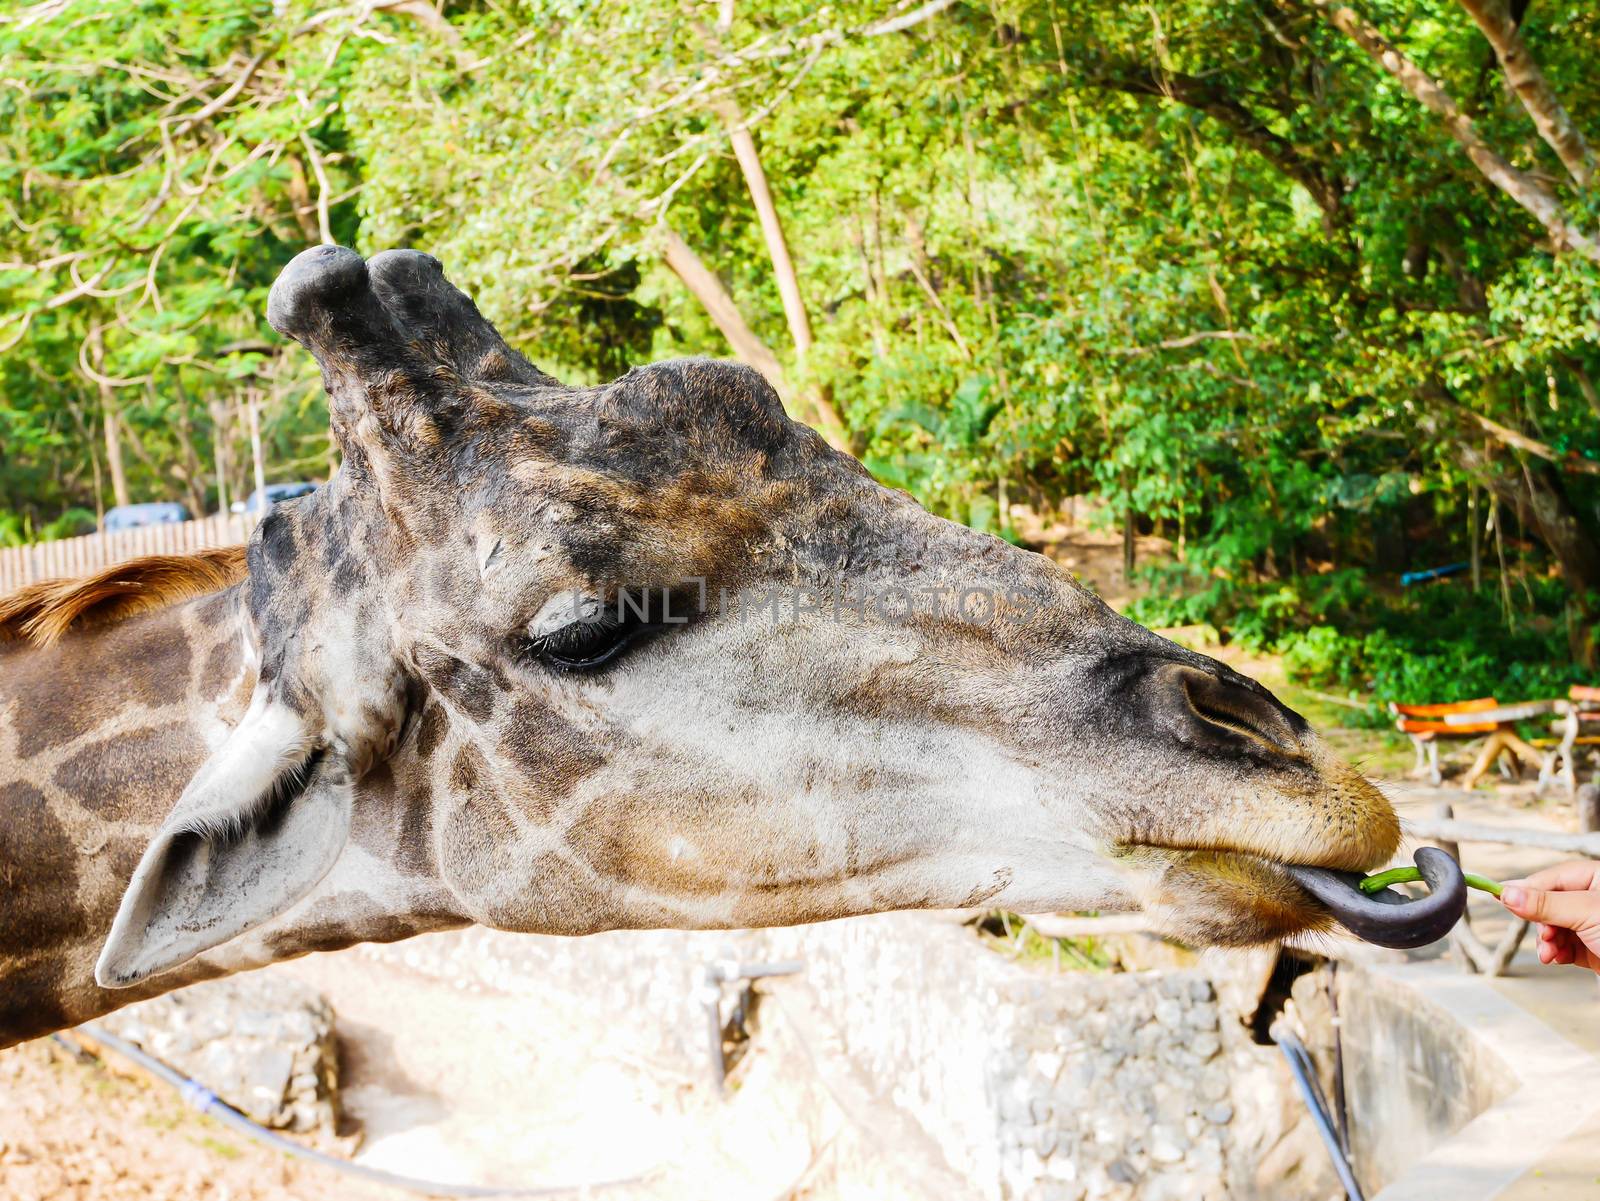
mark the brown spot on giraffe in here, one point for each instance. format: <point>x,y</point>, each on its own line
<point>103,771</point>
<point>38,866</point>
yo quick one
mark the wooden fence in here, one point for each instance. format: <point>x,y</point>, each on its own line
<point>68,557</point>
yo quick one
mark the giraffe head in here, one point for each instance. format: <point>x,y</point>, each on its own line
<point>651,654</point>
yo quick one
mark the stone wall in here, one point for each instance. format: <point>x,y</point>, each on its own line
<point>262,1043</point>
<point>1046,1085</point>
<point>1036,1084</point>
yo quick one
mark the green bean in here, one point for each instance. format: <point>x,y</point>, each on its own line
<point>1408,875</point>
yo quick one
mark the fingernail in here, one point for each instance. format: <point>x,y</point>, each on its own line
<point>1511,896</point>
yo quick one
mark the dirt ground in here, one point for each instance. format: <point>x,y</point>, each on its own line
<point>72,1131</point>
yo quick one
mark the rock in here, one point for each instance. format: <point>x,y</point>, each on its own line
<point>1220,1113</point>
<point>262,1043</point>
<point>1057,1190</point>
<point>1047,1064</point>
<point>1167,1145</point>
<point>1202,1017</point>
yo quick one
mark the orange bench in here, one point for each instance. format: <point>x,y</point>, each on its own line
<point>1425,724</point>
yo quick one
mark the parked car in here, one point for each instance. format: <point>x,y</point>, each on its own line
<point>157,512</point>
<point>276,494</point>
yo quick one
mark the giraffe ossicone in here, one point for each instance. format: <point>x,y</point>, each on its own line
<point>569,659</point>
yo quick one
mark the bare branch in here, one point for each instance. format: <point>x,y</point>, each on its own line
<point>227,94</point>
<point>950,327</point>
<point>708,290</point>
<point>1521,187</point>
<point>1554,123</point>
<point>1194,339</point>
<point>323,226</point>
<point>1568,462</point>
<point>906,20</point>
<point>424,14</point>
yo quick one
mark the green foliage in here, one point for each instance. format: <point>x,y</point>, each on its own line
<point>17,529</point>
<point>1205,262</point>
<point>1437,642</point>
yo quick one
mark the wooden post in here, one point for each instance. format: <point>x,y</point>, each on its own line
<point>1589,808</point>
<point>1475,531</point>
<point>219,457</point>
<point>255,450</point>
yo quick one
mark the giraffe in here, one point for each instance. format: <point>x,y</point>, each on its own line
<point>571,659</point>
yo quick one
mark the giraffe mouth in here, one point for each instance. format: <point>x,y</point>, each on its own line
<point>1386,917</point>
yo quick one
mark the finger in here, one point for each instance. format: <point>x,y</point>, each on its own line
<point>1562,877</point>
<point>1565,942</point>
<point>1569,909</point>
<point>1559,949</point>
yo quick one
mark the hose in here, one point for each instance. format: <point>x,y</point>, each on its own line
<point>203,1099</point>
<point>1300,1066</point>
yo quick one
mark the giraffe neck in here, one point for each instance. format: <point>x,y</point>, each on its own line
<point>99,734</point>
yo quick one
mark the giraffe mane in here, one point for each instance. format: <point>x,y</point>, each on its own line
<point>41,613</point>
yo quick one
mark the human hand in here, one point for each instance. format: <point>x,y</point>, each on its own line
<point>1565,901</point>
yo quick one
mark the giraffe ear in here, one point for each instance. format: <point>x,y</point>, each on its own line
<point>260,824</point>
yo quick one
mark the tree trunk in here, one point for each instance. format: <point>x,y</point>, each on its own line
<point>87,435</point>
<point>219,451</point>
<point>714,298</point>
<point>1554,123</point>
<point>305,209</point>
<point>1570,539</point>
<point>1562,528</point>
<point>193,475</point>
<point>255,452</point>
<point>1475,537</point>
<point>755,180</point>
<point>794,308</point>
<point>112,421</point>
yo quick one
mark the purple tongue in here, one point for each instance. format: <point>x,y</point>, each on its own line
<point>1389,918</point>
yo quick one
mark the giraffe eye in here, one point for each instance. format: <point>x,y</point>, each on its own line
<point>591,643</point>
<point>605,630</point>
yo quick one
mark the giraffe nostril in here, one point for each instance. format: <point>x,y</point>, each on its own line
<point>1222,710</point>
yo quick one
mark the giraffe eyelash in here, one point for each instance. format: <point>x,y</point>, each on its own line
<point>596,641</point>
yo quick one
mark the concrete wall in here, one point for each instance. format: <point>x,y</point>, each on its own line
<point>1412,1076</point>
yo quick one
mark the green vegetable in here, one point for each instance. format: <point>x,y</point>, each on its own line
<point>1409,875</point>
